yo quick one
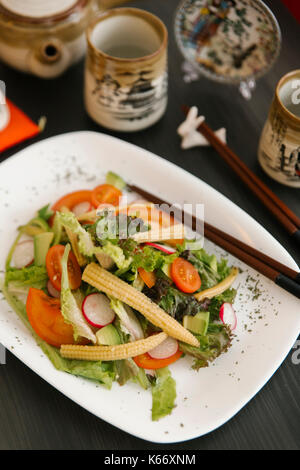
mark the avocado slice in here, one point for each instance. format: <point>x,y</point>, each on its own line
<point>115,180</point>
<point>108,336</point>
<point>166,269</point>
<point>42,242</point>
<point>213,263</point>
<point>197,324</point>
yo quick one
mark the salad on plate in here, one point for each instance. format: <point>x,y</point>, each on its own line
<point>117,292</point>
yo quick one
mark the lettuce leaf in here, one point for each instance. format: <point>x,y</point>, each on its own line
<point>171,300</point>
<point>150,259</point>
<point>129,324</point>
<point>86,244</point>
<point>163,394</point>
<point>45,212</point>
<point>117,254</point>
<point>69,306</point>
<point>211,271</point>
<point>216,341</point>
<point>20,280</point>
<point>102,372</point>
<point>126,369</point>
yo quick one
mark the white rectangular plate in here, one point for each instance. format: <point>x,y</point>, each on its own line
<point>268,323</point>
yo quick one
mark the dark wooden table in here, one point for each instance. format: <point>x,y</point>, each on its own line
<point>33,415</point>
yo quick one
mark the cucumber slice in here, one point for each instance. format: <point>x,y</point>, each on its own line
<point>42,243</point>
<point>57,230</point>
<point>197,324</point>
<point>35,226</point>
<point>108,336</point>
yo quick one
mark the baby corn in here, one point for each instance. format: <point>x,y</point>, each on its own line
<point>115,287</point>
<point>219,288</point>
<point>112,353</point>
<point>160,234</point>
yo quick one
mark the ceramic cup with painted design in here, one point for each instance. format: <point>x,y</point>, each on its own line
<point>126,69</point>
<point>279,146</point>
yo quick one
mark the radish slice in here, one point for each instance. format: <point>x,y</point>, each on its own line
<point>228,316</point>
<point>23,254</point>
<point>82,208</point>
<point>96,310</point>
<point>164,248</point>
<point>52,291</point>
<point>165,349</point>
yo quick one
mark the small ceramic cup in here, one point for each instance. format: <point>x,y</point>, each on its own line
<point>279,146</point>
<point>126,69</point>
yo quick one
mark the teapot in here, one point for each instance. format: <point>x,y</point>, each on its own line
<point>45,37</point>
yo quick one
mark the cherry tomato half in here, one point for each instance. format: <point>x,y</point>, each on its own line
<point>185,276</point>
<point>54,270</point>
<point>105,194</point>
<point>147,362</point>
<point>71,200</point>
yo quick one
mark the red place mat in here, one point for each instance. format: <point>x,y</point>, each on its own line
<point>20,128</point>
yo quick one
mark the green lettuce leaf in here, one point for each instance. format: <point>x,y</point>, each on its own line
<point>69,306</point>
<point>45,212</point>
<point>102,372</point>
<point>20,280</point>
<point>126,369</point>
<point>150,259</point>
<point>117,254</point>
<point>163,394</point>
<point>171,300</point>
<point>211,271</point>
<point>216,341</point>
<point>86,244</point>
<point>129,323</point>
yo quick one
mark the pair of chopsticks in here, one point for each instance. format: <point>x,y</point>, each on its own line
<point>288,219</point>
<point>282,275</point>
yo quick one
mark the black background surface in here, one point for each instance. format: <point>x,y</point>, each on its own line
<point>33,415</point>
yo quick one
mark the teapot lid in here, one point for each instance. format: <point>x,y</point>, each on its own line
<point>39,9</point>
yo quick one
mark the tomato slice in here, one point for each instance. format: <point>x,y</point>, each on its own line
<point>53,265</point>
<point>71,200</point>
<point>149,278</point>
<point>185,276</point>
<point>147,362</point>
<point>105,194</point>
<point>46,319</point>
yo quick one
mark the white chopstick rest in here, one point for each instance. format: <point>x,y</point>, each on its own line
<point>188,131</point>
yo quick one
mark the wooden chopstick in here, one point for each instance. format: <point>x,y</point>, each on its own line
<point>289,220</point>
<point>274,270</point>
<point>276,265</point>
